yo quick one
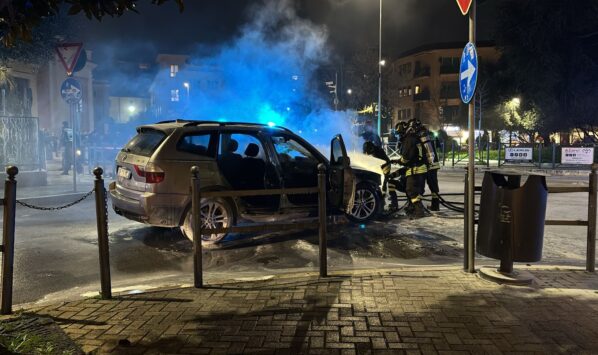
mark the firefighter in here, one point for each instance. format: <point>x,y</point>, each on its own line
<point>412,159</point>
<point>431,158</point>
<point>369,148</point>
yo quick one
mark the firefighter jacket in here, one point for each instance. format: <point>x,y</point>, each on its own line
<point>412,156</point>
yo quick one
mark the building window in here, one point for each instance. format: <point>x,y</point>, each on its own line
<point>417,89</point>
<point>408,113</point>
<point>409,91</point>
<point>174,69</point>
<point>174,95</point>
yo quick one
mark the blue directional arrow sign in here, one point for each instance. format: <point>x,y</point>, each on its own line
<point>70,90</point>
<point>468,74</point>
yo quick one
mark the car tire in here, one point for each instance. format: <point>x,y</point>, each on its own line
<point>366,205</point>
<point>220,213</point>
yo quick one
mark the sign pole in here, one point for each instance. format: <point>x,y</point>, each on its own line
<point>471,160</point>
<point>74,144</point>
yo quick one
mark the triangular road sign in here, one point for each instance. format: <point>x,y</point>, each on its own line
<point>464,6</point>
<point>68,53</point>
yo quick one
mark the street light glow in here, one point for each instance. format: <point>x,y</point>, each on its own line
<point>131,108</point>
<point>186,85</point>
<point>516,101</point>
<point>383,62</point>
<point>349,91</point>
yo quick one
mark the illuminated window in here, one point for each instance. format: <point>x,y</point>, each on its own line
<point>409,91</point>
<point>174,68</point>
<point>417,89</point>
<point>174,95</point>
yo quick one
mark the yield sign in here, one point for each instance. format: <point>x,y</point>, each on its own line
<point>464,6</point>
<point>68,53</point>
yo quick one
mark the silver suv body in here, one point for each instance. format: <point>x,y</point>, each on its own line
<point>153,174</point>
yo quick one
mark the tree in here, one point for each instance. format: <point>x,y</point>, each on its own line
<point>550,56</point>
<point>21,17</point>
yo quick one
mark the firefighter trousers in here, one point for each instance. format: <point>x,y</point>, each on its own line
<point>415,184</point>
<point>432,181</point>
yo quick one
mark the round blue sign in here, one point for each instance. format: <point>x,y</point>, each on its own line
<point>468,72</point>
<point>70,90</point>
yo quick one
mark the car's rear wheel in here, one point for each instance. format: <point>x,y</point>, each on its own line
<point>215,213</point>
<point>366,204</point>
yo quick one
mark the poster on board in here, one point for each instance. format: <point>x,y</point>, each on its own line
<point>519,154</point>
<point>577,155</point>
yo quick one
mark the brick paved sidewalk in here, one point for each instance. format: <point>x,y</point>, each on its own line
<point>407,311</point>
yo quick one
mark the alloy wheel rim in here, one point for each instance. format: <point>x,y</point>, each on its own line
<point>364,204</point>
<point>213,215</point>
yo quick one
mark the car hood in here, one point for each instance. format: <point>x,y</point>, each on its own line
<point>367,175</point>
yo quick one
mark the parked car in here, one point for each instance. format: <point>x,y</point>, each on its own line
<point>153,175</point>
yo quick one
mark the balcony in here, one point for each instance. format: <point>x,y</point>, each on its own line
<point>421,72</point>
<point>449,69</point>
<point>422,96</point>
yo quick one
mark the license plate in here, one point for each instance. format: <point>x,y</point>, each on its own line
<point>124,173</point>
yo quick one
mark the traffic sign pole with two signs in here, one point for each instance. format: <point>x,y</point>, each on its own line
<point>468,72</point>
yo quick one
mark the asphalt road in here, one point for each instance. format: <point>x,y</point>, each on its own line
<point>56,254</point>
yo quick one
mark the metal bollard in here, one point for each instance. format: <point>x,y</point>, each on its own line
<point>102,221</point>
<point>8,238</point>
<point>443,153</point>
<point>196,223</point>
<point>453,151</point>
<point>322,219</point>
<point>592,209</point>
<point>553,156</point>
<point>488,154</point>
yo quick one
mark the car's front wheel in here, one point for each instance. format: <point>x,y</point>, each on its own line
<point>215,213</point>
<point>366,205</point>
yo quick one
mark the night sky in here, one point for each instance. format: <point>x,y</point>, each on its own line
<point>352,24</point>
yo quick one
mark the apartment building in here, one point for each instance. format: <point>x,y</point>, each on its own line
<point>425,83</point>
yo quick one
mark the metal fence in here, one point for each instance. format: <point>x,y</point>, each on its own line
<point>9,203</point>
<point>545,156</point>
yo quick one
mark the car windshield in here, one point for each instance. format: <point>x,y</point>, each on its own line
<point>144,143</point>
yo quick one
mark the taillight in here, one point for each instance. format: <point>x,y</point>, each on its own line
<point>151,173</point>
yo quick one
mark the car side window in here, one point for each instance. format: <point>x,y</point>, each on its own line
<point>197,143</point>
<point>290,151</point>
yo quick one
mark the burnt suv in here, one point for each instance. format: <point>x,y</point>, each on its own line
<point>153,175</point>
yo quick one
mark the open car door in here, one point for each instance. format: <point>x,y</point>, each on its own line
<point>341,176</point>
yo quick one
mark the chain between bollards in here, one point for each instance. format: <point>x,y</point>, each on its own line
<point>592,210</point>
<point>196,224</point>
<point>8,238</point>
<point>102,222</point>
<point>322,220</point>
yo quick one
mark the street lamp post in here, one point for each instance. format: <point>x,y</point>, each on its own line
<point>380,73</point>
<point>187,86</point>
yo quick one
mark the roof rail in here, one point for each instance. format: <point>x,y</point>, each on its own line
<point>223,124</point>
<point>178,120</point>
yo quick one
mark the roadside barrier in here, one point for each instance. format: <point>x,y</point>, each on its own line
<point>7,248</point>
<point>10,202</point>
<point>590,223</point>
<point>199,230</point>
